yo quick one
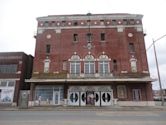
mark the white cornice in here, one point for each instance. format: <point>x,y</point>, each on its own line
<point>85,27</point>
<point>91,17</point>
<point>145,79</point>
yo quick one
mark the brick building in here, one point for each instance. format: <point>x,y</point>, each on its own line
<point>92,59</point>
<point>15,67</point>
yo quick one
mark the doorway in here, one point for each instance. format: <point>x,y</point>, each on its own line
<point>56,97</point>
<point>90,98</point>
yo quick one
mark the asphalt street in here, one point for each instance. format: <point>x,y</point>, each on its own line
<point>82,117</point>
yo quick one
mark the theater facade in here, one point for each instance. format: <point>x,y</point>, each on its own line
<point>90,60</point>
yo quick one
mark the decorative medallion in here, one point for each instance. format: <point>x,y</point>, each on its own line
<point>48,36</point>
<point>130,35</point>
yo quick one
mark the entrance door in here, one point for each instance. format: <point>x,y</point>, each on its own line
<point>73,98</point>
<point>56,97</point>
<point>136,94</point>
<point>90,99</point>
<point>97,98</point>
<point>106,98</point>
<point>83,98</point>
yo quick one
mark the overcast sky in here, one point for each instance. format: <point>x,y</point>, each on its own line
<point>18,23</point>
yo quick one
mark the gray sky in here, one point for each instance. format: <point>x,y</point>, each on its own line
<point>18,22</point>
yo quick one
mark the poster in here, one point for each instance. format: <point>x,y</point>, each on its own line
<point>7,95</point>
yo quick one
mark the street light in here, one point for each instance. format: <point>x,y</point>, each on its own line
<point>158,72</point>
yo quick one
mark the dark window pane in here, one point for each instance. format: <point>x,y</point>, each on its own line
<point>48,47</point>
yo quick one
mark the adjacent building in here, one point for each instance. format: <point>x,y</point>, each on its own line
<point>14,68</point>
<point>91,60</point>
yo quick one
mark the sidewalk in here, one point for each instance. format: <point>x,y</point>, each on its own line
<point>74,108</point>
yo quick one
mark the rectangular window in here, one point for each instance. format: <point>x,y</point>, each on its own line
<point>75,37</point>
<point>11,68</point>
<point>89,68</point>
<point>89,37</point>
<point>136,94</point>
<point>125,22</point>
<point>115,67</point>
<point>75,67</point>
<point>131,47</point>
<point>132,21</point>
<point>46,23</point>
<point>11,83</point>
<point>102,36</point>
<point>46,66</point>
<point>64,65</point>
<point>103,67</point>
<point>101,22</point>
<point>121,91</point>
<point>48,47</point>
<point>3,83</point>
<point>113,22</point>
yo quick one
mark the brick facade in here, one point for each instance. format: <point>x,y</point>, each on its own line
<point>120,37</point>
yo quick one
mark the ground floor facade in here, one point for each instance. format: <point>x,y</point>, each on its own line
<point>9,91</point>
<point>91,94</point>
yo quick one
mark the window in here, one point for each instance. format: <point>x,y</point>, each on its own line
<point>75,37</point>
<point>64,65</point>
<point>136,94</point>
<point>102,36</point>
<point>46,23</point>
<point>11,83</point>
<point>113,22</point>
<point>132,21</point>
<point>63,23</point>
<point>75,23</point>
<point>133,63</point>
<point>101,22</point>
<point>89,37</point>
<point>104,65</point>
<point>53,23</point>
<point>48,47</point>
<point>3,83</point>
<point>89,65</point>
<point>46,65</point>
<point>121,91</point>
<point>75,65</point>
<point>11,68</point>
<point>125,22</point>
<point>115,68</point>
<point>131,47</point>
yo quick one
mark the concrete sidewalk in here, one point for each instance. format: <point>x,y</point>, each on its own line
<point>76,108</point>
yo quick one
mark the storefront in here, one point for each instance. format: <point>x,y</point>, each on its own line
<point>90,96</point>
<point>7,91</point>
<point>48,95</point>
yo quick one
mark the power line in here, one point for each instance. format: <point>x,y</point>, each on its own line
<point>155,42</point>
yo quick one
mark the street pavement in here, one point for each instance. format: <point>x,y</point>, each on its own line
<point>22,117</point>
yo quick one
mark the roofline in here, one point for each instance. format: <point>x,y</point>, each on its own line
<point>90,16</point>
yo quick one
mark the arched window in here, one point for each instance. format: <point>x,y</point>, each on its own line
<point>104,67</point>
<point>133,64</point>
<point>46,65</point>
<point>75,64</point>
<point>89,65</point>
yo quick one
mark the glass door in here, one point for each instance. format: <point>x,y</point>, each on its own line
<point>56,97</point>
